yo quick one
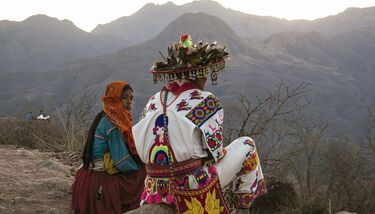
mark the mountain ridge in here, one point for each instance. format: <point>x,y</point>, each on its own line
<point>254,69</point>
<point>42,42</point>
<point>248,26</point>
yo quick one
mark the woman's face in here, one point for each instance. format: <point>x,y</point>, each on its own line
<point>127,99</point>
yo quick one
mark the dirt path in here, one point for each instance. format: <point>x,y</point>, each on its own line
<point>40,182</point>
<point>33,182</point>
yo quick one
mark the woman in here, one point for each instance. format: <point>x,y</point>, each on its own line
<point>111,179</point>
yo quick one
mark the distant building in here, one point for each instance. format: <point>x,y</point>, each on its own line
<point>42,116</point>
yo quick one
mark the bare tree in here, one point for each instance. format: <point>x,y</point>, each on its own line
<point>308,136</point>
<point>350,176</point>
<point>370,131</point>
<point>265,118</point>
<point>325,170</point>
<point>75,115</point>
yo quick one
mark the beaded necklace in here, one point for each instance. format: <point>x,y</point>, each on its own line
<point>170,150</point>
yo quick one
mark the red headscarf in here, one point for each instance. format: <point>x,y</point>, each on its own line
<point>117,114</point>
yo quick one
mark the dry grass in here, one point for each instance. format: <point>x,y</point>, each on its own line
<point>35,134</point>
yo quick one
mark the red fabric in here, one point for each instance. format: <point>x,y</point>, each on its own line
<point>117,114</point>
<point>177,89</point>
<point>120,192</point>
<point>196,200</point>
<point>244,200</point>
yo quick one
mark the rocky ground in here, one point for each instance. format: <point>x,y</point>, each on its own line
<point>39,182</point>
<point>35,182</point>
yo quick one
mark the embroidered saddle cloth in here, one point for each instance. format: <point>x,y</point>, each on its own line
<point>192,188</point>
<point>207,200</point>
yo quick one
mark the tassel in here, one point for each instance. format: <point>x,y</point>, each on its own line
<point>212,170</point>
<point>169,198</point>
<point>143,196</point>
<point>99,193</point>
<point>157,198</point>
<point>149,199</point>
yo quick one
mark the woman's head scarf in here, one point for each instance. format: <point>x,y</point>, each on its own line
<point>117,114</point>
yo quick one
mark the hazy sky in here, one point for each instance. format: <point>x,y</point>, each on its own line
<point>86,14</point>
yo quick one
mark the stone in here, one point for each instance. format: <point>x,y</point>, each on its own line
<point>153,209</point>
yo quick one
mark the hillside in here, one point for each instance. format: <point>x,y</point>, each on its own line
<point>152,19</point>
<point>41,42</point>
<point>341,78</point>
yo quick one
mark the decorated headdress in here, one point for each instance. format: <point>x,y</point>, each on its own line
<point>188,61</point>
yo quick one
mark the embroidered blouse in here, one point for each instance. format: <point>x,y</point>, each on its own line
<point>195,120</point>
<point>108,138</point>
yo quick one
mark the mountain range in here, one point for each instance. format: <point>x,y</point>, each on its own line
<point>338,62</point>
<point>41,42</point>
<point>152,19</point>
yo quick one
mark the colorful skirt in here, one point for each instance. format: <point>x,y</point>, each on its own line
<point>100,192</point>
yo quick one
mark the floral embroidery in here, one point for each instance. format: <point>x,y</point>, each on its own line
<point>183,106</point>
<point>250,163</point>
<point>194,207</point>
<point>152,107</point>
<point>208,199</point>
<point>195,95</point>
<point>146,109</point>
<point>215,139</point>
<point>213,203</point>
<point>204,110</point>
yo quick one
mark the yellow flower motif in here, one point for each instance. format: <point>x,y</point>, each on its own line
<point>213,204</point>
<point>195,207</point>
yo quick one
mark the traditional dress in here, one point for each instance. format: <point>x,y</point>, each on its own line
<point>111,179</point>
<point>180,137</point>
<point>194,120</point>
